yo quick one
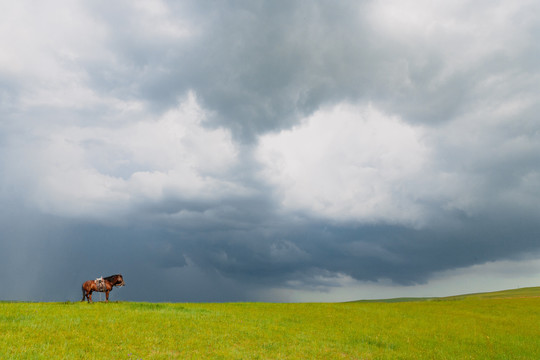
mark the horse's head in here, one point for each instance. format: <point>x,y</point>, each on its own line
<point>119,281</point>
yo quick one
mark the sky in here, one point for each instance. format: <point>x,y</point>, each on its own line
<point>269,150</point>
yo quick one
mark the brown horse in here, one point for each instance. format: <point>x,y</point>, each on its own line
<point>108,283</point>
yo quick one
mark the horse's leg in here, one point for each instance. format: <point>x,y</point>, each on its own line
<point>89,295</point>
<point>107,295</point>
<point>83,294</point>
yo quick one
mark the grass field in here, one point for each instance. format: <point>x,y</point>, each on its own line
<point>503,325</point>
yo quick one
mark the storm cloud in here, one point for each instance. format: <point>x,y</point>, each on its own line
<point>267,150</point>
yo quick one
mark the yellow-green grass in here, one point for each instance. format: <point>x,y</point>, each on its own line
<point>470,327</point>
<point>503,294</point>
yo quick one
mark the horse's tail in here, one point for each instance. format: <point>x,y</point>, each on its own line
<point>83,292</point>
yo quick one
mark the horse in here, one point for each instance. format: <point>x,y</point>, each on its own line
<point>108,283</point>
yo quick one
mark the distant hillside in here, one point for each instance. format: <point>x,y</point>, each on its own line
<point>503,294</point>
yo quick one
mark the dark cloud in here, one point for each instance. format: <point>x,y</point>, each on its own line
<point>257,65</point>
<point>141,150</point>
<point>219,263</point>
<point>260,66</point>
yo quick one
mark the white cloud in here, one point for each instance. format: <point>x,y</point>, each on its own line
<point>49,50</point>
<point>42,44</point>
<point>348,163</point>
<point>154,19</point>
<point>460,32</point>
<point>94,171</point>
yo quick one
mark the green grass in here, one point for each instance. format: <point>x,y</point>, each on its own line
<point>478,326</point>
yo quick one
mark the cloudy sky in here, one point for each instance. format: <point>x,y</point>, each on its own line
<point>269,150</point>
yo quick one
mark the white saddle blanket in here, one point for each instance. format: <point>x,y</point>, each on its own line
<point>100,284</point>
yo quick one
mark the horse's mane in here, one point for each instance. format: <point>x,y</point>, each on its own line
<point>111,278</point>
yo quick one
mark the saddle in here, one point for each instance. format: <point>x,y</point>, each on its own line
<point>100,284</point>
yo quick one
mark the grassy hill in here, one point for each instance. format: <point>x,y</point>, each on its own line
<point>528,292</point>
<point>497,325</point>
